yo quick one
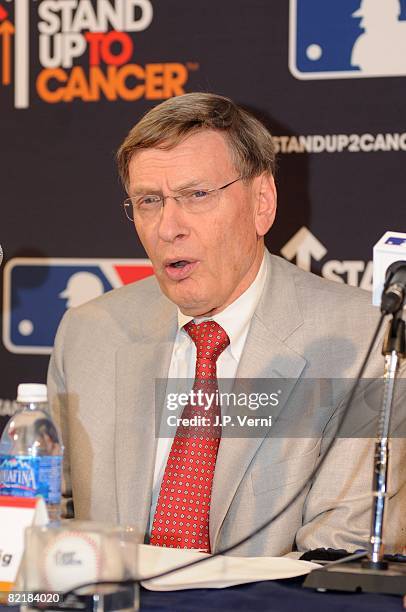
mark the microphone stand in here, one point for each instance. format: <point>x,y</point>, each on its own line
<point>374,574</point>
<point>393,351</point>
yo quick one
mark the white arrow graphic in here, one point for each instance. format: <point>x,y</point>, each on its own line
<point>304,246</point>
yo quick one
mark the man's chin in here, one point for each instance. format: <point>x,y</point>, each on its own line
<point>197,311</point>
<point>189,303</point>
<point>192,307</point>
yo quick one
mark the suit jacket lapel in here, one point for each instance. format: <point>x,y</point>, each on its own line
<point>138,410</point>
<point>266,355</point>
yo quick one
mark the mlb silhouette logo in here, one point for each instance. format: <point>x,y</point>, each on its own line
<point>37,293</point>
<point>332,39</point>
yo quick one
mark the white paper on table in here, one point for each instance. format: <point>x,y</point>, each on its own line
<point>216,573</point>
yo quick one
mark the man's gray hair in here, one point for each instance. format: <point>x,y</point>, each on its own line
<point>166,125</point>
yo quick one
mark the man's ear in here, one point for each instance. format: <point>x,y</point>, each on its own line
<point>265,194</point>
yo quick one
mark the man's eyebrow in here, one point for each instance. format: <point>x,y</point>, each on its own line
<point>190,183</point>
<point>145,189</point>
<point>181,187</point>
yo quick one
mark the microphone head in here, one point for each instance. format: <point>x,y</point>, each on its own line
<point>393,268</point>
<point>396,266</point>
<point>392,301</point>
<point>393,295</point>
<point>1,255</point>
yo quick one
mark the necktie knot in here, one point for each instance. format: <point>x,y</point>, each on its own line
<point>210,339</point>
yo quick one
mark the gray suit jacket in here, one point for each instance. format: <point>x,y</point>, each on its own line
<point>107,356</point>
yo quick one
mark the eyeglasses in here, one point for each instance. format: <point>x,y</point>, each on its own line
<point>146,206</point>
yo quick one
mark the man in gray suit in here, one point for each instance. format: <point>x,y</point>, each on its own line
<point>199,172</point>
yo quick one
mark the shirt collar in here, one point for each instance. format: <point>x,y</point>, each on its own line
<point>236,318</point>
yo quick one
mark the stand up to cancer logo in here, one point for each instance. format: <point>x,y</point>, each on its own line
<point>84,51</point>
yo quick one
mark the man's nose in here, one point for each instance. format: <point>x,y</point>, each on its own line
<point>172,221</point>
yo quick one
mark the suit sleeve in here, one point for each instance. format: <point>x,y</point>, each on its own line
<point>58,402</point>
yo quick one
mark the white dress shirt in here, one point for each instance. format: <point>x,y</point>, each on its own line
<point>235,320</point>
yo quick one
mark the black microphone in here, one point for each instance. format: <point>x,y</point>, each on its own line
<point>394,291</point>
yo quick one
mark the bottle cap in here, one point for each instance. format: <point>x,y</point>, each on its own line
<point>31,393</point>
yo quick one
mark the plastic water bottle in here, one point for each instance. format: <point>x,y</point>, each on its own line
<point>30,451</point>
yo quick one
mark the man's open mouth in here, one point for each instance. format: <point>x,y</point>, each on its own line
<point>179,264</point>
<point>178,269</point>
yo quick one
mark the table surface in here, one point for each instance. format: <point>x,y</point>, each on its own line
<point>275,596</point>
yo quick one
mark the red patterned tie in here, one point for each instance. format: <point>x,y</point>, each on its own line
<point>181,517</point>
